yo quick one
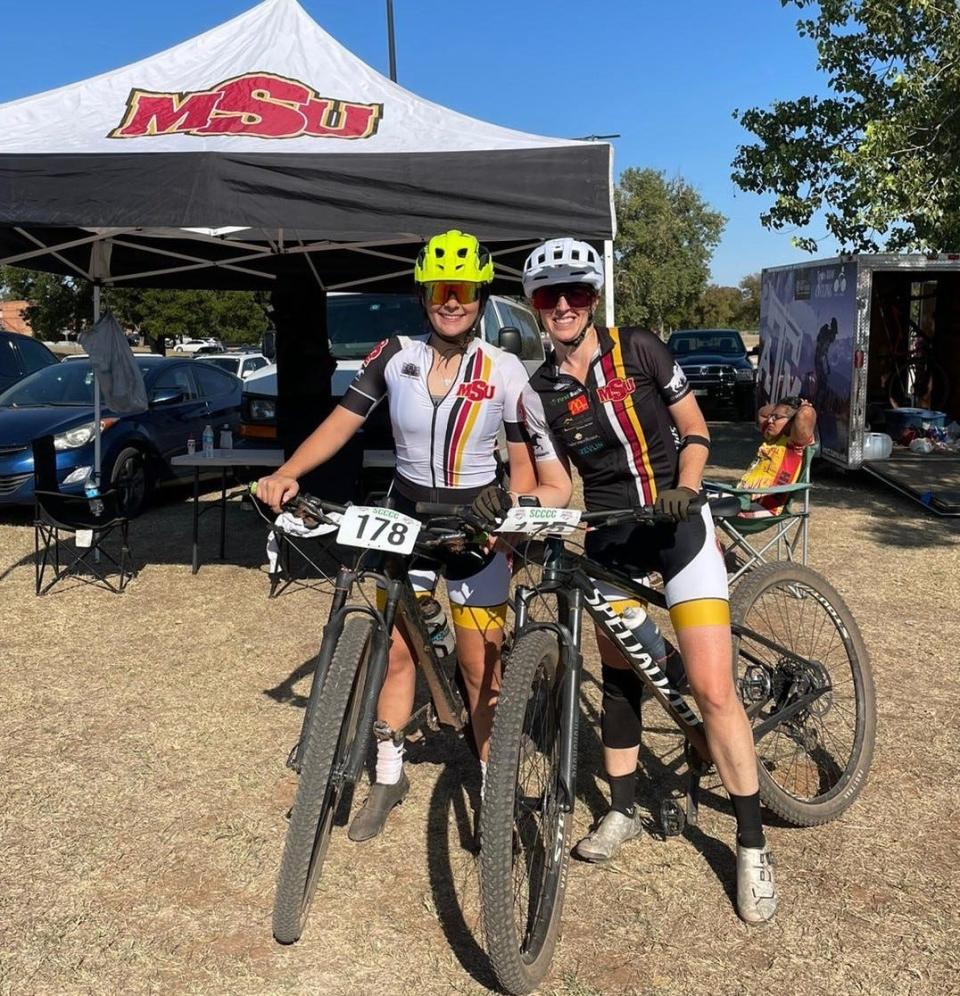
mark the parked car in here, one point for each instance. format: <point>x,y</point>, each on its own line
<point>136,449</point>
<point>717,366</point>
<point>209,345</point>
<point>355,324</point>
<point>241,364</point>
<point>21,355</point>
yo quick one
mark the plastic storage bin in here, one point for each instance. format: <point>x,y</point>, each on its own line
<point>898,419</point>
<point>877,446</point>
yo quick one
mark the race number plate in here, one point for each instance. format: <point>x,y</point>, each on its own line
<point>373,528</point>
<point>549,521</point>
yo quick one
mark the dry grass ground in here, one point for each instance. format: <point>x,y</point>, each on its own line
<point>143,796</point>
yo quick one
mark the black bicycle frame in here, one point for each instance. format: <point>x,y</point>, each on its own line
<point>400,601</point>
<point>571,578</point>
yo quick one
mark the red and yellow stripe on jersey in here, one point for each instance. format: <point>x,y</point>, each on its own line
<point>463,417</point>
<point>626,423</point>
<point>777,462</point>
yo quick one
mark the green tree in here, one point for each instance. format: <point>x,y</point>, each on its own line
<point>58,304</point>
<point>666,234</point>
<point>233,316</point>
<point>878,156</point>
<point>717,308</point>
<point>748,316</point>
<point>55,304</point>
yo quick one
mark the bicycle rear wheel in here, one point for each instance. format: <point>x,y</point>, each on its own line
<point>524,834</point>
<point>813,764</point>
<point>329,741</point>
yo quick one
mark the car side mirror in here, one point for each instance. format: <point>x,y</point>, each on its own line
<point>169,396</point>
<point>268,345</point>
<point>754,352</point>
<point>510,341</point>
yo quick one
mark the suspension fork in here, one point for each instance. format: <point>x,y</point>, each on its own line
<point>571,662</point>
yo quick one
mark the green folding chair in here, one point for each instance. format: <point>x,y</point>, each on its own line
<point>783,536</point>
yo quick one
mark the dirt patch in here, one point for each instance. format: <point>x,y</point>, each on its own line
<point>143,797</point>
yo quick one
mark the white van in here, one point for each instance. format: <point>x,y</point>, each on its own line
<point>355,324</point>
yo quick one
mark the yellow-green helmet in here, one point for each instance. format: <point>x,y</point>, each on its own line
<point>453,255</point>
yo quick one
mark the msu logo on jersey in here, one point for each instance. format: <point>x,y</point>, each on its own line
<point>476,390</point>
<point>617,389</point>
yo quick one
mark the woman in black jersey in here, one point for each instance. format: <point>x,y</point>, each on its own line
<point>449,393</point>
<point>613,402</point>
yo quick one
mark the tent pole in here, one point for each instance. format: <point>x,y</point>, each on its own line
<point>96,396</point>
<point>608,282</point>
<point>390,42</point>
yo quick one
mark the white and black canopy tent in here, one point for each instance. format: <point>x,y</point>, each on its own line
<point>262,147</point>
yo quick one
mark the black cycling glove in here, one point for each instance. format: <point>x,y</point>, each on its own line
<point>491,505</point>
<point>675,503</point>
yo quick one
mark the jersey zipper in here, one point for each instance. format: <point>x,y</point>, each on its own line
<point>436,408</point>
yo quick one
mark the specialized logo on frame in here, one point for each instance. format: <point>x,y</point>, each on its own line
<point>257,105</point>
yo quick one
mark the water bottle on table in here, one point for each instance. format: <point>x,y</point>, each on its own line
<point>208,441</point>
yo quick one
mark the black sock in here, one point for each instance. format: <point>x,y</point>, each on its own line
<point>749,826</point>
<point>623,793</point>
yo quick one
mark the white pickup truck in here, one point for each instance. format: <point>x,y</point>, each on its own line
<point>355,324</point>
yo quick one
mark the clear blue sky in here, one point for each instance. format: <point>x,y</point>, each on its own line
<point>666,76</point>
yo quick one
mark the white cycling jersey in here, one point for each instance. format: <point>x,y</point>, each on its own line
<point>449,443</point>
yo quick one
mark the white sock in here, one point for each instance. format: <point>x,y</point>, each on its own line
<point>483,779</point>
<point>389,762</point>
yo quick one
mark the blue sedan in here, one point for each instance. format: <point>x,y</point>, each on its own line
<point>136,449</point>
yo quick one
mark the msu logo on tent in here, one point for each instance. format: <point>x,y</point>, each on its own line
<point>261,105</point>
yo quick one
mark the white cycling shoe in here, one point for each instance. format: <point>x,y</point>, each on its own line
<point>756,889</point>
<point>613,831</point>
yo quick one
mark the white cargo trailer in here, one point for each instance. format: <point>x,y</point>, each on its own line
<point>864,337</point>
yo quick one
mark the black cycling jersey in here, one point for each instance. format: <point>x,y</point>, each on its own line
<point>616,429</point>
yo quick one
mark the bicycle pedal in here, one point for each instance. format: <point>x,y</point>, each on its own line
<point>291,761</point>
<point>673,820</point>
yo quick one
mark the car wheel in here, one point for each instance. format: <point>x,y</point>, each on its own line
<point>131,478</point>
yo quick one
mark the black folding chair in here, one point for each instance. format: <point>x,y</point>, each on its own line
<point>56,513</point>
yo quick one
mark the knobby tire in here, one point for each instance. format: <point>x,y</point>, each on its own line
<point>814,764</point>
<point>525,837</point>
<point>329,740</point>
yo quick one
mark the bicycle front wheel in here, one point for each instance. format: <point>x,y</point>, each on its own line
<point>523,831</point>
<point>813,763</point>
<point>330,739</point>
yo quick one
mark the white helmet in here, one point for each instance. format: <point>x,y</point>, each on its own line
<point>562,261</point>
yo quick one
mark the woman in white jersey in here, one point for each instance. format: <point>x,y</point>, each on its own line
<point>448,393</point>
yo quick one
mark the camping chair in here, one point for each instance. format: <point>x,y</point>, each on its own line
<point>774,537</point>
<point>86,519</point>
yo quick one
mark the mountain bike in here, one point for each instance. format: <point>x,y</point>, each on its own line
<point>351,665</point>
<point>802,672</point>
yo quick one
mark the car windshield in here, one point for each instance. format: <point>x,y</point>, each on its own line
<point>229,363</point>
<point>724,343</point>
<point>357,322</point>
<point>61,384</point>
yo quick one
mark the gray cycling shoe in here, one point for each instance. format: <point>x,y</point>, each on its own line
<point>756,890</point>
<point>373,814</point>
<point>612,832</point>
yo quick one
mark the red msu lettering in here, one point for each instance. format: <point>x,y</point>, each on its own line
<point>261,105</point>
<point>617,389</point>
<point>476,390</point>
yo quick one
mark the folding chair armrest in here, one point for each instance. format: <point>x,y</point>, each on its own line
<point>781,489</point>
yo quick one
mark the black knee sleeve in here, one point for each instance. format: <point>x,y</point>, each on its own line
<point>620,723</point>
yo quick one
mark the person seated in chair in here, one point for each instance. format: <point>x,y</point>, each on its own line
<point>787,427</point>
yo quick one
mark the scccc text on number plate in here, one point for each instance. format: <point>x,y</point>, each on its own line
<point>373,528</point>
